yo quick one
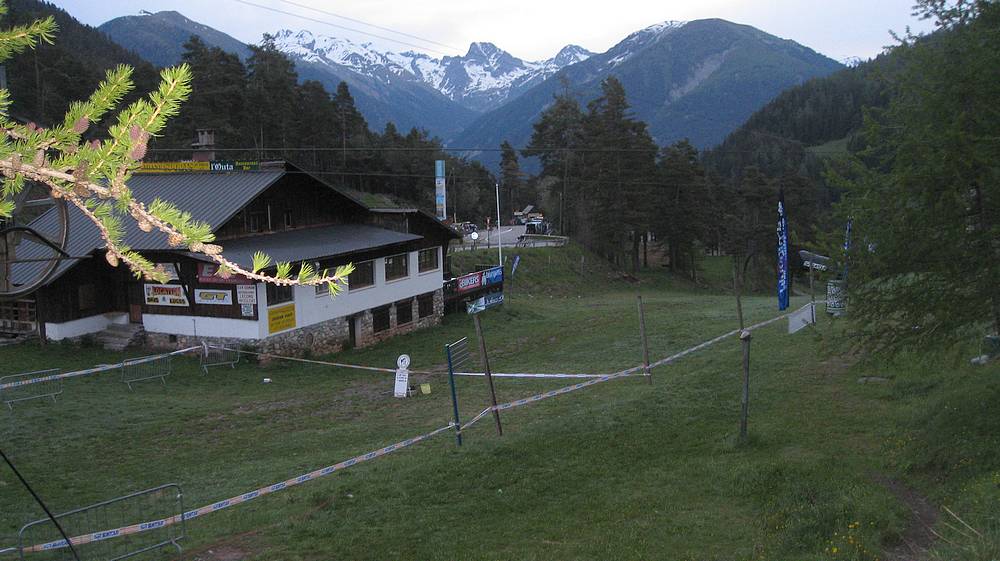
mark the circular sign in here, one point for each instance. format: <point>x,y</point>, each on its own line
<point>403,362</point>
<point>474,236</point>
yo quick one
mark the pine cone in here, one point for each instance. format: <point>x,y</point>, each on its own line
<point>145,226</point>
<point>175,240</point>
<point>111,258</point>
<point>80,126</point>
<point>138,151</point>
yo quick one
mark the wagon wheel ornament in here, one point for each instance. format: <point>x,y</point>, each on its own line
<point>32,241</point>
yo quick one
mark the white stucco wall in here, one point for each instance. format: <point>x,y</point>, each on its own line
<point>311,309</point>
<point>83,326</point>
<point>201,326</point>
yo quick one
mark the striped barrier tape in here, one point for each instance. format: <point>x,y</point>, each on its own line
<point>94,370</point>
<point>245,497</point>
<point>232,501</point>
<point>527,375</point>
<point>393,370</point>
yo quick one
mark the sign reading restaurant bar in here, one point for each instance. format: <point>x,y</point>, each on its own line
<point>165,295</point>
<point>187,167</point>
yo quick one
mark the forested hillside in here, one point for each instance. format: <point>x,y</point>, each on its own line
<point>43,81</point>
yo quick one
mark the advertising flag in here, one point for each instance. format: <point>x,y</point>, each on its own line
<point>439,190</point>
<point>782,253</point>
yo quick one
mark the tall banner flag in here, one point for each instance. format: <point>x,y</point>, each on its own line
<point>439,191</point>
<point>847,245</point>
<point>782,253</point>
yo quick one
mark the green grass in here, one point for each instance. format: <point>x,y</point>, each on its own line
<point>621,470</point>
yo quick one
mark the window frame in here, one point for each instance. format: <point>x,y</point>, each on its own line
<point>426,297</point>
<point>437,260</point>
<point>407,305</point>
<point>388,318</point>
<point>406,267</point>
<point>350,285</point>
<point>272,290</point>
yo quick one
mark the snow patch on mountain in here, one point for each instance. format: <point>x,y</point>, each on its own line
<point>483,78</point>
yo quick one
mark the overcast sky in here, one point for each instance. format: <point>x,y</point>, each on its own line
<point>532,30</point>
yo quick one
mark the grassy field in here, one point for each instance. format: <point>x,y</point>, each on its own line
<point>621,470</point>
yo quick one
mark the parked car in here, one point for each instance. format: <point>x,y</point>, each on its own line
<point>537,227</point>
<point>465,228</point>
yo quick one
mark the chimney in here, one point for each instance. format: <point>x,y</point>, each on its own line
<point>204,147</point>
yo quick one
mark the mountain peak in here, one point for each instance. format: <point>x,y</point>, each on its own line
<point>571,54</point>
<point>484,50</point>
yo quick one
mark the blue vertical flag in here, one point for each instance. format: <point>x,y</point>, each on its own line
<point>440,204</point>
<point>782,253</point>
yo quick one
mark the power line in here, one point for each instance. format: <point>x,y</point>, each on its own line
<point>370,25</point>
<point>331,24</point>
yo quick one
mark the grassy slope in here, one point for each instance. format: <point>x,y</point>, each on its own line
<point>623,470</point>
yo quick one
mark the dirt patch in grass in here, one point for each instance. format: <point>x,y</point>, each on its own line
<point>918,536</point>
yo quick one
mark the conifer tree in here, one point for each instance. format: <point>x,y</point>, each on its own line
<point>93,175</point>
<point>925,196</point>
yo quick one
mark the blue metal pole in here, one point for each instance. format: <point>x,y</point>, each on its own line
<point>454,397</point>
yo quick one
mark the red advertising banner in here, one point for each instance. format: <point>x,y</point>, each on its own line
<point>469,282</point>
<point>207,274</point>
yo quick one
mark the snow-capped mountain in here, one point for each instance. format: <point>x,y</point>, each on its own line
<point>484,78</point>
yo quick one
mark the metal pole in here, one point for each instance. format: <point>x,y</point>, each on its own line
<point>499,238</point>
<point>745,402</point>
<point>454,397</point>
<point>645,342</point>
<point>486,368</point>
<point>812,295</point>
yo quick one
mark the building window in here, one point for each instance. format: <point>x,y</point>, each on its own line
<point>380,319</point>
<point>404,312</point>
<point>363,275</point>
<point>425,304</point>
<point>322,289</point>
<point>279,294</point>
<point>397,267</point>
<point>428,259</point>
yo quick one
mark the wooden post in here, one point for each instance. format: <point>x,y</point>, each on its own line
<point>745,401</point>
<point>645,342</point>
<point>486,369</point>
<point>737,289</point>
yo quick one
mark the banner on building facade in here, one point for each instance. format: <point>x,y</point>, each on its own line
<point>213,296</point>
<point>281,318</point>
<point>165,295</point>
<point>208,273</point>
<point>782,253</point>
<point>246,294</point>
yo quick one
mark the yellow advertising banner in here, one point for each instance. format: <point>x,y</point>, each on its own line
<point>281,318</point>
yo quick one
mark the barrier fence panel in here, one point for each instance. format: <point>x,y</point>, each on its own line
<point>218,356</point>
<point>88,527</point>
<point>146,368</point>
<point>458,354</point>
<point>30,385</point>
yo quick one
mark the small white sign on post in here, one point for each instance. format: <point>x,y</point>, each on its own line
<point>402,376</point>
